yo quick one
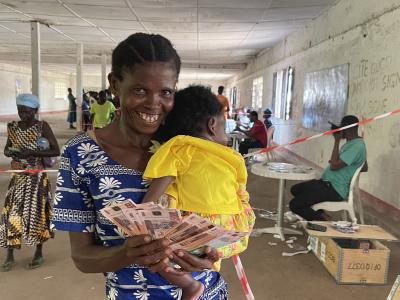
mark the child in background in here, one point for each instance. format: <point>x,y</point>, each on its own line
<point>199,173</point>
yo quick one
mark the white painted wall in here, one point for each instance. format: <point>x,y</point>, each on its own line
<point>92,83</point>
<point>364,33</point>
<point>9,74</point>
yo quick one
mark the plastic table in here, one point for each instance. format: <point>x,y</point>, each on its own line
<point>262,169</point>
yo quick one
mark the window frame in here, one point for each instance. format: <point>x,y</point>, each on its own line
<point>282,93</point>
<point>257,93</point>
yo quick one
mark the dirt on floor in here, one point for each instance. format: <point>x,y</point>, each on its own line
<point>271,275</point>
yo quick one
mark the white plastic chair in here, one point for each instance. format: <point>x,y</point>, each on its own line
<point>270,134</point>
<point>270,155</point>
<point>346,205</point>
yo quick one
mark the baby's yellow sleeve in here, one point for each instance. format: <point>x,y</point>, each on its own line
<point>171,159</point>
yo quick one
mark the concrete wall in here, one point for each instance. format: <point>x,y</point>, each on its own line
<point>365,34</point>
<point>92,82</point>
<point>11,74</point>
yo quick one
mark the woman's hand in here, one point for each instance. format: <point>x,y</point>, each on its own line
<point>193,263</point>
<point>188,262</point>
<point>92,258</point>
<point>143,251</point>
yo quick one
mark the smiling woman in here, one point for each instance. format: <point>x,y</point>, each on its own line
<point>146,93</point>
<point>102,168</point>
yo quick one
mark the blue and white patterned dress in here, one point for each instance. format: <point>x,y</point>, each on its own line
<point>89,180</point>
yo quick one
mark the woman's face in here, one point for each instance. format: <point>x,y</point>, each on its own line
<point>25,113</point>
<point>146,95</point>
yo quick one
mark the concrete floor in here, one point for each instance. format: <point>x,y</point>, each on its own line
<point>271,275</point>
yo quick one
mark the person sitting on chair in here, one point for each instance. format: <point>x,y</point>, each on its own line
<point>335,182</point>
<point>257,135</point>
<point>243,120</point>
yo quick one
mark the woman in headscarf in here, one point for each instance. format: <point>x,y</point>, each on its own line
<point>27,209</point>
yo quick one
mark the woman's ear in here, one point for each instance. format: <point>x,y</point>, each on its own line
<point>113,83</point>
<point>212,125</point>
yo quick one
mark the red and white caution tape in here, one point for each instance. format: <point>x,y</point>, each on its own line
<point>329,132</point>
<point>242,277</point>
<point>29,171</point>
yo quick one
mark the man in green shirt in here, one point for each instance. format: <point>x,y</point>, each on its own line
<point>335,182</point>
<point>102,111</point>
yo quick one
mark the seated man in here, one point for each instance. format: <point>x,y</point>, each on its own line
<point>257,135</point>
<point>335,182</point>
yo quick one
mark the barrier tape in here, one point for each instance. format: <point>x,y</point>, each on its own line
<point>242,277</point>
<point>329,132</point>
<point>31,171</point>
<point>264,150</point>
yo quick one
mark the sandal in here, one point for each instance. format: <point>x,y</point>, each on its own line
<point>7,266</point>
<point>35,263</point>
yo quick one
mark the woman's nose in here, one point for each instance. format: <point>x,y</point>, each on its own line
<point>153,100</point>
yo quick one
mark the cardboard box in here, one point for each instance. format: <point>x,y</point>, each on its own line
<point>352,266</point>
<point>395,292</point>
<point>341,255</point>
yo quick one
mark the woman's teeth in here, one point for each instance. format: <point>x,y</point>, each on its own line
<point>148,118</point>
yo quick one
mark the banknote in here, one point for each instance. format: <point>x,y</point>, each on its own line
<point>191,233</point>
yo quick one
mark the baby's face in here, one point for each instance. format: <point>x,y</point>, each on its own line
<point>220,134</point>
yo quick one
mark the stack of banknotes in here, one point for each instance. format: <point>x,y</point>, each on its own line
<point>191,233</point>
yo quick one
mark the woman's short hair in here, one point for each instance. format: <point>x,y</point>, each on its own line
<point>192,109</point>
<point>143,47</point>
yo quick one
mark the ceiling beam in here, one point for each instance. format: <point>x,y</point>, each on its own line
<point>135,14</point>
<point>14,31</point>
<point>62,3</point>
<point>31,18</point>
<point>96,59</point>
<point>234,67</point>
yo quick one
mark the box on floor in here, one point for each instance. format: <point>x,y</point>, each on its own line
<point>353,258</point>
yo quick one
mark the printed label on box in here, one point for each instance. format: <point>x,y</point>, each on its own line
<point>323,252</point>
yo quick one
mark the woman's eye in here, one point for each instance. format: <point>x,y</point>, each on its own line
<point>166,93</point>
<point>139,91</point>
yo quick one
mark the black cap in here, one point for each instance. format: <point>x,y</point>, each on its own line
<point>348,120</point>
<point>268,111</point>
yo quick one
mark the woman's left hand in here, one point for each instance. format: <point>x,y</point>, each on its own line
<point>193,263</point>
<point>189,262</point>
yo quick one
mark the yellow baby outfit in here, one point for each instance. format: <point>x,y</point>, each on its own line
<point>210,180</point>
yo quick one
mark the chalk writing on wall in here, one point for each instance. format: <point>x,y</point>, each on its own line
<point>390,81</point>
<point>368,75</point>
